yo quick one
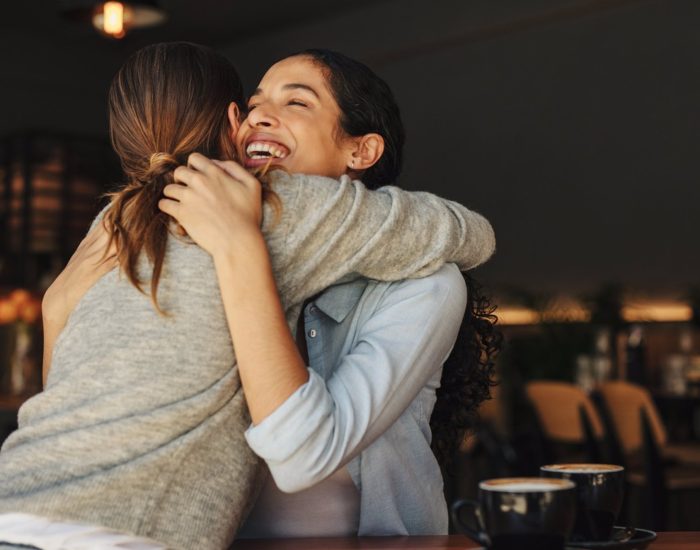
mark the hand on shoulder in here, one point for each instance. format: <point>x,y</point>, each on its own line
<point>218,203</point>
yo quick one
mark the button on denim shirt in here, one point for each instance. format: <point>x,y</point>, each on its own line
<point>376,352</point>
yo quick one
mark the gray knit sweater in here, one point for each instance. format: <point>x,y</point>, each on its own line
<point>140,426</point>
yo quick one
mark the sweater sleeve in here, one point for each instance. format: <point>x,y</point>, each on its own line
<point>330,229</point>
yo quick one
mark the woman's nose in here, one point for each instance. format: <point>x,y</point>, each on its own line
<point>262,117</point>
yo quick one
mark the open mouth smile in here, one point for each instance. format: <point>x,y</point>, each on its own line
<point>265,150</point>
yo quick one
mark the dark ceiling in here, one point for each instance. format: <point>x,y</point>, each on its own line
<point>45,57</point>
<point>211,22</point>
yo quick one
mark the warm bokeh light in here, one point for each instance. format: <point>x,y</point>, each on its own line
<point>30,312</point>
<point>8,311</point>
<point>113,19</point>
<point>648,311</point>
<point>657,311</point>
<point>19,305</point>
<point>517,316</point>
<point>20,297</point>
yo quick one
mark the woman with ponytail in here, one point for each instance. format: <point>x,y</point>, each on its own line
<point>139,431</point>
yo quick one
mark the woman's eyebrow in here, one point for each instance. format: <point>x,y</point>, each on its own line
<point>299,86</point>
<point>291,86</point>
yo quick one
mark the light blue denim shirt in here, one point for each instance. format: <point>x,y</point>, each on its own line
<point>376,352</point>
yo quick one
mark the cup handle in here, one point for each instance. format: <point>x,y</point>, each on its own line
<point>477,533</point>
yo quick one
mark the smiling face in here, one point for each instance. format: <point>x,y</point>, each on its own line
<point>293,122</point>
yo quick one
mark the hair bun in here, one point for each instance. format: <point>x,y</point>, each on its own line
<point>159,164</point>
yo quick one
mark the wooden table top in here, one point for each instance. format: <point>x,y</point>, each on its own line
<point>682,540</point>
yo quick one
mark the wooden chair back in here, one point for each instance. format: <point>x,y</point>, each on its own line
<point>625,402</point>
<point>559,407</point>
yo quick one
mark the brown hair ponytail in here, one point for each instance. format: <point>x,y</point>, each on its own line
<point>167,101</point>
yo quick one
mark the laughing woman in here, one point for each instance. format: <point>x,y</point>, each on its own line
<point>345,421</point>
<point>141,424</point>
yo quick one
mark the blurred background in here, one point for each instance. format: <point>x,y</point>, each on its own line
<point>573,125</point>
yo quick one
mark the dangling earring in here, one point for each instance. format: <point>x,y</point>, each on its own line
<point>352,163</point>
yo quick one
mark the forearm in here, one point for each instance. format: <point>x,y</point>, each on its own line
<point>54,314</point>
<point>269,363</point>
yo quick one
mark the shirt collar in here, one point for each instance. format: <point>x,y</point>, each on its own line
<point>339,300</point>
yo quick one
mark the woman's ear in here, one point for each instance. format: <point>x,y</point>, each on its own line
<point>368,150</point>
<point>234,118</point>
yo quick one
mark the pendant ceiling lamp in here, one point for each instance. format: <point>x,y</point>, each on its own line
<point>115,19</point>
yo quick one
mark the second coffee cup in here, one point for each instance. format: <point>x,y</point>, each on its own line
<point>599,494</point>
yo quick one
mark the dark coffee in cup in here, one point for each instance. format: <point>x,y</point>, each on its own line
<point>519,513</point>
<point>600,489</point>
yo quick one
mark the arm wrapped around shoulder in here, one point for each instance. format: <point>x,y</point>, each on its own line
<point>331,228</point>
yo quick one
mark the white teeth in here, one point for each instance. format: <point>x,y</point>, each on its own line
<point>258,147</point>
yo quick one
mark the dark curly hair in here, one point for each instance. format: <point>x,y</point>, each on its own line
<point>367,105</point>
<point>467,375</point>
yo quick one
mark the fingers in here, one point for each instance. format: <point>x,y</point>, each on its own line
<point>186,175</point>
<point>201,163</point>
<point>170,207</point>
<point>98,244</point>
<point>239,173</point>
<point>96,239</point>
<point>174,191</point>
<point>198,165</point>
<point>233,169</point>
<point>95,251</point>
<point>107,262</point>
<point>191,175</point>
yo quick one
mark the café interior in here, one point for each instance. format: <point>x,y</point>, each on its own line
<point>572,125</point>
